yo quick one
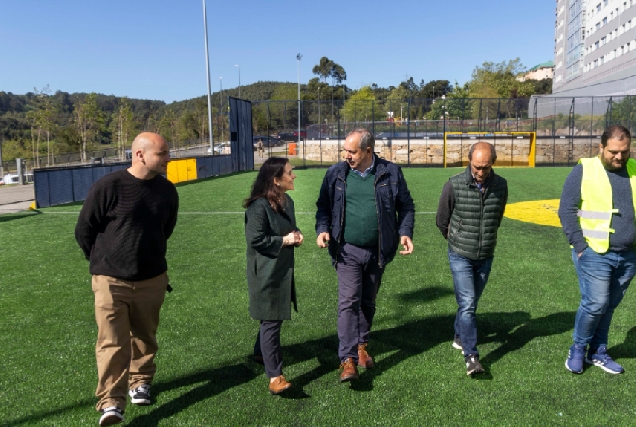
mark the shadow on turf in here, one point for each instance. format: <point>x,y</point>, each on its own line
<point>212,382</point>
<point>513,330</point>
<point>18,215</point>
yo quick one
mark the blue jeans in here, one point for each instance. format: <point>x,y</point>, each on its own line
<point>469,280</point>
<point>603,280</point>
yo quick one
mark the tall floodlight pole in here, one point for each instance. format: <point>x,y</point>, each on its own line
<point>221,104</point>
<point>207,73</point>
<point>298,58</point>
<point>239,68</point>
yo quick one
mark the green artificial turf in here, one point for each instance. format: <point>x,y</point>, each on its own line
<point>205,377</point>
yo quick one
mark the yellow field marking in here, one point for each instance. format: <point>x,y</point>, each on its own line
<point>542,212</point>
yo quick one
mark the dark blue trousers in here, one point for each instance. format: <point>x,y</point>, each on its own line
<point>359,278</point>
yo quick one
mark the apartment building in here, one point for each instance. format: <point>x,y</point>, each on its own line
<point>595,48</point>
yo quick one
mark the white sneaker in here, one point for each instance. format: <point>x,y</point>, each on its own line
<point>111,416</point>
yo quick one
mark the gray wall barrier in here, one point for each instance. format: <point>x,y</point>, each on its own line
<point>57,186</point>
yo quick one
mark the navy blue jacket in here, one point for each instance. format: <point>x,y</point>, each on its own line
<point>395,207</point>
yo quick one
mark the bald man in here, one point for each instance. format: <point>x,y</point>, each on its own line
<point>469,214</point>
<point>123,229</point>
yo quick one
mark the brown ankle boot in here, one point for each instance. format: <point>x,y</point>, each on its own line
<point>349,370</point>
<point>279,385</point>
<point>364,360</point>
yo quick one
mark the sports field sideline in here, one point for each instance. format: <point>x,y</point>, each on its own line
<point>525,320</point>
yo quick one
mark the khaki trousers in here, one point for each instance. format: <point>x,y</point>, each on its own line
<point>127,315</point>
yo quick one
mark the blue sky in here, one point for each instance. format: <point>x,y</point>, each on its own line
<point>154,49</point>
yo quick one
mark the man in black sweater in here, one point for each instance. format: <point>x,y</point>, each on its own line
<point>597,214</point>
<point>123,229</point>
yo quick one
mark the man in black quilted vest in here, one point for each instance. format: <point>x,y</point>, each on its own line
<point>470,211</point>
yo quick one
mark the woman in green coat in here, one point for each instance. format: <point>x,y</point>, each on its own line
<point>271,235</point>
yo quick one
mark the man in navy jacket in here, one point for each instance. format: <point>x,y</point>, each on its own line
<point>365,211</point>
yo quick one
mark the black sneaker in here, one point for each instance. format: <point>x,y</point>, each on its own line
<point>111,416</point>
<point>140,395</point>
<point>472,365</point>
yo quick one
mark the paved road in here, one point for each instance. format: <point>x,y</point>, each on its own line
<point>15,198</point>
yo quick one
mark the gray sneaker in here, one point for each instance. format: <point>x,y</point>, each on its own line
<point>472,365</point>
<point>111,416</point>
<point>140,395</point>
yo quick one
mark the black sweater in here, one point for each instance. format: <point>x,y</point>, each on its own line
<point>125,223</point>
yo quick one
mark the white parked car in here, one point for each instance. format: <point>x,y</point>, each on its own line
<point>221,148</point>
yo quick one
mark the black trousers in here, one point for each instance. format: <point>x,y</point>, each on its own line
<point>268,345</point>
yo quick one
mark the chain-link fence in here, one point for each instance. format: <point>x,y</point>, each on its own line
<point>411,131</point>
<point>100,156</point>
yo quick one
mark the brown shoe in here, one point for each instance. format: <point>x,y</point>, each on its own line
<point>364,360</point>
<point>349,370</point>
<point>279,385</point>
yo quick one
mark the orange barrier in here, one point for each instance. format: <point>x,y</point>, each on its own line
<point>292,149</point>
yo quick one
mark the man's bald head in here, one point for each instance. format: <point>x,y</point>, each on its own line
<point>145,140</point>
<point>482,156</point>
<point>483,145</point>
<point>150,155</point>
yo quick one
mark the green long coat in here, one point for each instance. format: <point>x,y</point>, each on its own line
<point>270,265</point>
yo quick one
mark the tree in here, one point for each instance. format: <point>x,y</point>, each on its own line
<point>123,121</point>
<point>338,74</point>
<point>361,107</point>
<point>434,89</point>
<point>316,89</point>
<point>499,80</point>
<point>324,68</point>
<point>398,101</point>
<point>88,121</point>
<point>453,106</point>
<point>542,87</point>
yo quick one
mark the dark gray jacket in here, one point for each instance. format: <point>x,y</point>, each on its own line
<point>396,210</point>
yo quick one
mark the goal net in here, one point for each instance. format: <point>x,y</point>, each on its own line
<point>513,148</point>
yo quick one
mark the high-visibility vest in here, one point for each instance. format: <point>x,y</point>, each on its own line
<point>595,213</point>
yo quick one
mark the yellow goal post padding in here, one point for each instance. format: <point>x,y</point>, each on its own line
<point>532,155</point>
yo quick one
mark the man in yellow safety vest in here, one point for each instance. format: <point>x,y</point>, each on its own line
<point>597,214</point>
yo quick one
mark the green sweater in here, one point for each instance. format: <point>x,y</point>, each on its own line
<point>361,217</point>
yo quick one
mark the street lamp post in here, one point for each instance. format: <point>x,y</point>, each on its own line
<point>239,69</point>
<point>298,58</point>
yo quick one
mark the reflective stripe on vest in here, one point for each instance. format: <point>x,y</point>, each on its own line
<point>595,215</point>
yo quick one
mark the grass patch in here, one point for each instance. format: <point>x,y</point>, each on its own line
<point>525,320</point>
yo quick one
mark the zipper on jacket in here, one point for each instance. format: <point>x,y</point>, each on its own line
<point>481,220</point>
<point>342,214</point>
<point>377,213</point>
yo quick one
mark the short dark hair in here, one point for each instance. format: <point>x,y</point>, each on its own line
<point>479,144</point>
<point>615,132</point>
<point>264,187</point>
<point>366,138</point>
